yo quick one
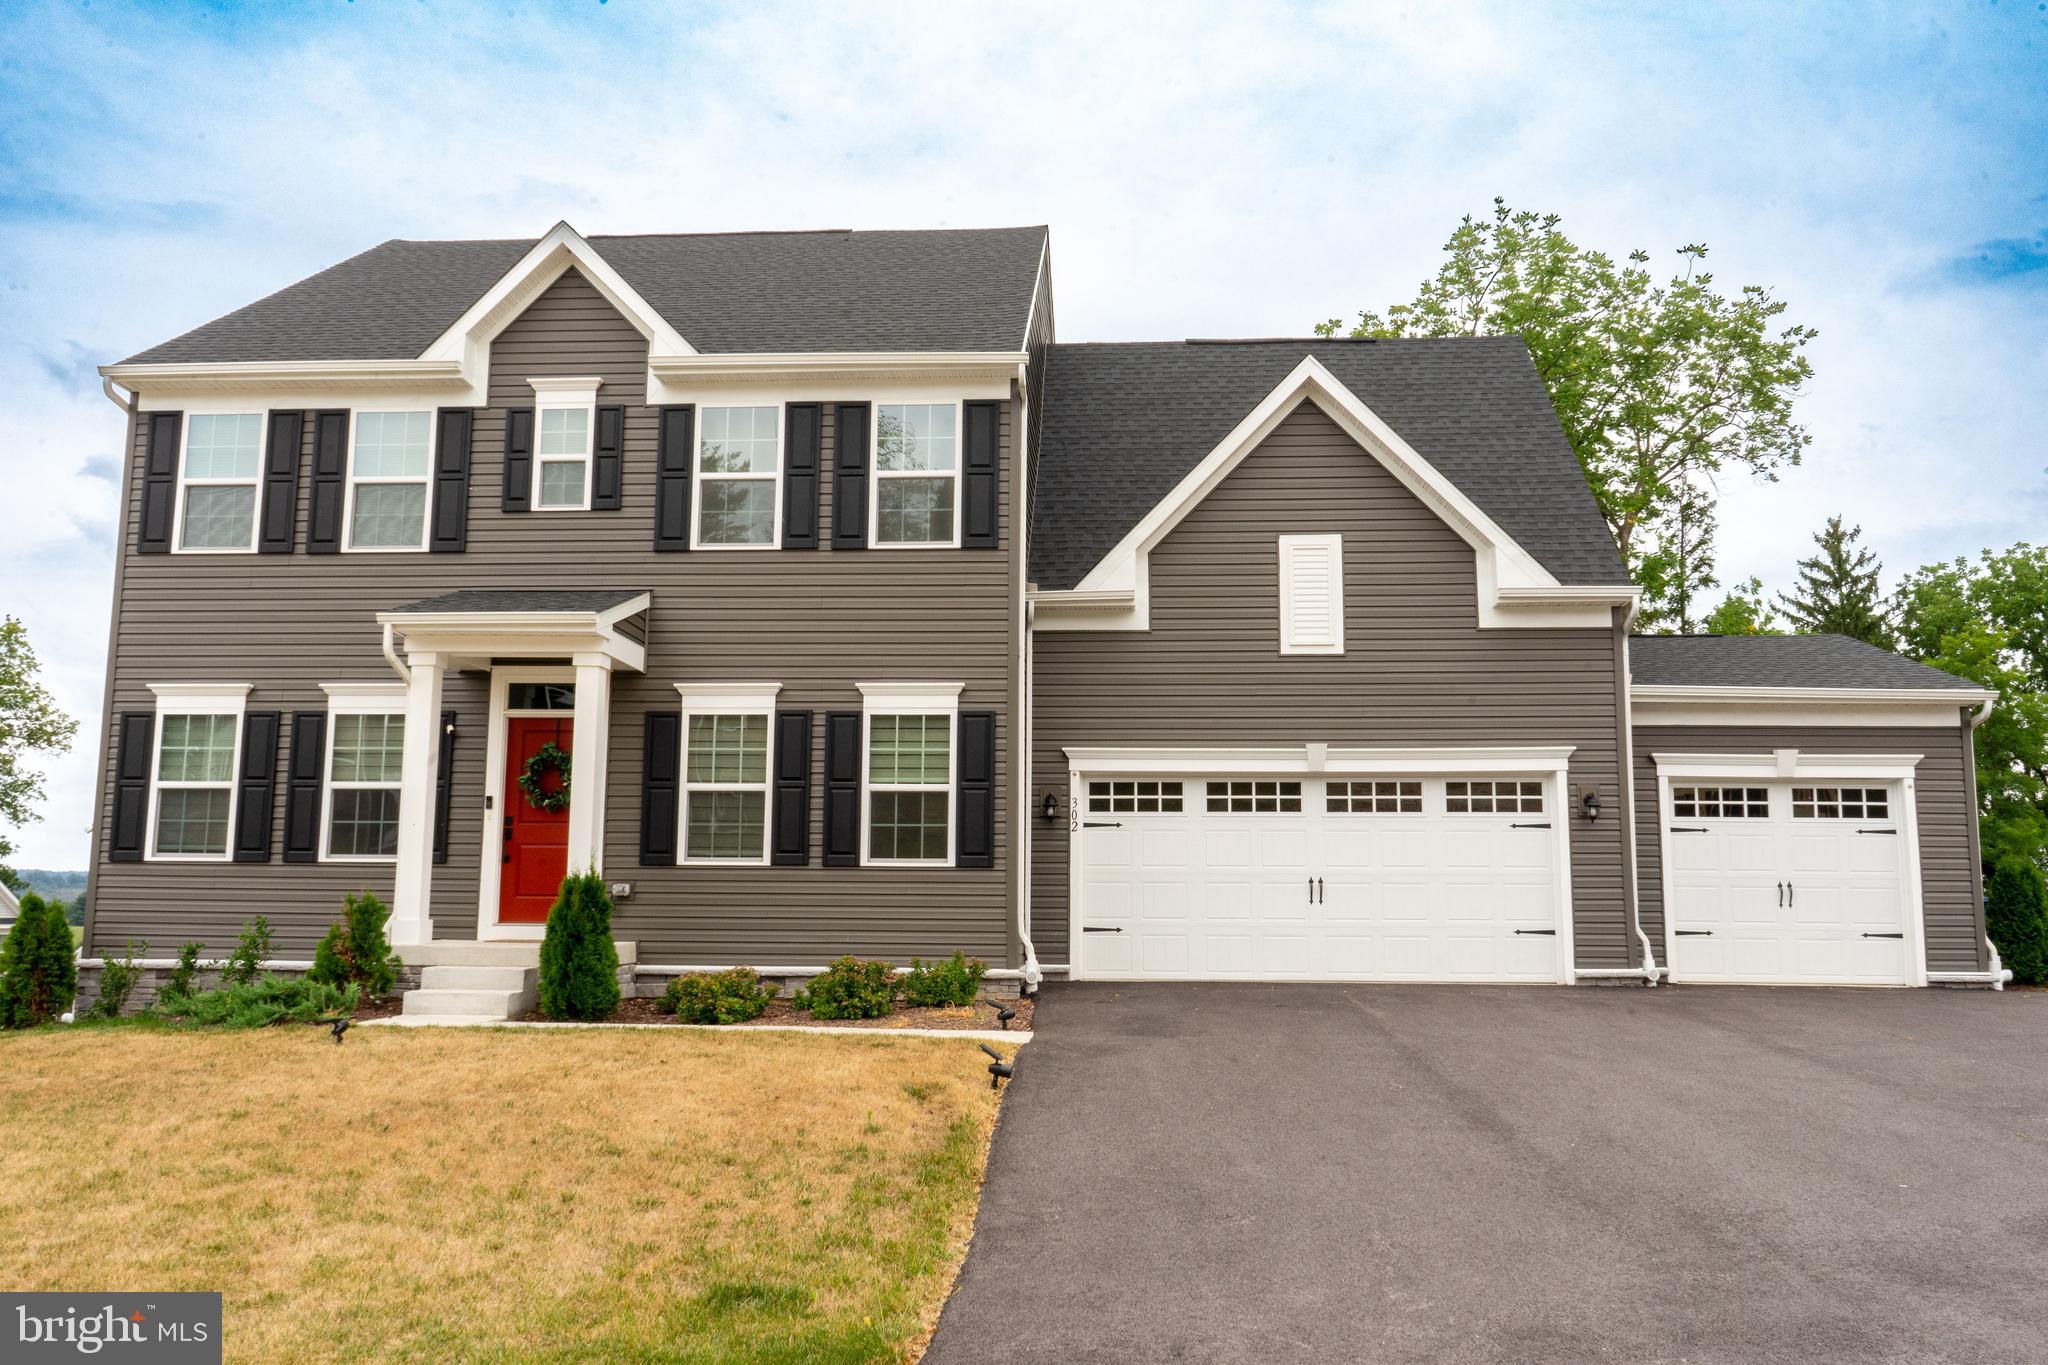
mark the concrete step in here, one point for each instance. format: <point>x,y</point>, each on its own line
<point>470,953</point>
<point>479,978</point>
<point>498,1004</point>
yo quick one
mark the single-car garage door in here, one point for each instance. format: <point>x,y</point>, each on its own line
<point>1788,882</point>
<point>1376,879</point>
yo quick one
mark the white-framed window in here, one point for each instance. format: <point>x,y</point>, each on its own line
<point>728,764</point>
<point>192,773</point>
<point>218,481</point>
<point>911,742</point>
<point>365,755</point>
<point>915,492</point>
<point>1721,803</point>
<point>1494,796</point>
<point>390,464</point>
<point>564,433</point>
<point>738,470</point>
<point>1379,796</point>
<point>1138,797</point>
<point>1312,594</point>
<point>1840,803</point>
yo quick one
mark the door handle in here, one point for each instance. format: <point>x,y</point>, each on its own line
<point>1311,890</point>
<point>1322,897</point>
<point>1781,895</point>
<point>1791,895</point>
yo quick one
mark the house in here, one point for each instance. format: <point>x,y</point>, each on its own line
<point>804,585</point>
<point>10,909</point>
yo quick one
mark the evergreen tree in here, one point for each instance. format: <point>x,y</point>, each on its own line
<point>2016,918</point>
<point>1838,592</point>
<point>38,966</point>
<point>579,963</point>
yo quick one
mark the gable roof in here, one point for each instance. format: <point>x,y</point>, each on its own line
<point>1779,661</point>
<point>1123,423</point>
<point>967,289</point>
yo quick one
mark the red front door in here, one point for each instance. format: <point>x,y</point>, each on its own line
<point>536,854</point>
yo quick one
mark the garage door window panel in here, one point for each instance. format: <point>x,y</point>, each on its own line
<point>1721,803</point>
<point>1493,796</point>
<point>1841,803</point>
<point>1254,798</point>
<point>1373,798</point>
<point>1134,797</point>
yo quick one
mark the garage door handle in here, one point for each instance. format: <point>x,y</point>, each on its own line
<point>1544,825</point>
<point>1884,936</point>
<point>1688,829</point>
<point>1100,929</point>
<point>1548,933</point>
<point>1781,895</point>
<point>1693,933</point>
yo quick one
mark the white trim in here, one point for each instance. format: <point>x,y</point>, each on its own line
<point>356,699</point>
<point>472,639</point>
<point>676,375</point>
<point>727,699</point>
<point>876,474</point>
<point>1891,708</point>
<point>1514,589</point>
<point>496,737</point>
<point>254,483</point>
<point>320,380</point>
<point>1790,765</point>
<point>698,476</point>
<point>565,395</point>
<point>1332,548</point>
<point>195,699</point>
<point>909,699</point>
<point>349,480</point>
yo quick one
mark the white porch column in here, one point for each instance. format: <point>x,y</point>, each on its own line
<point>589,752</point>
<point>412,897</point>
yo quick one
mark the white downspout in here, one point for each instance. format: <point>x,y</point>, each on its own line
<point>391,656</point>
<point>126,405</point>
<point>2000,973</point>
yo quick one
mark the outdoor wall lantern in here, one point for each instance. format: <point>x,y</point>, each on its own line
<point>1050,807</point>
<point>1591,801</point>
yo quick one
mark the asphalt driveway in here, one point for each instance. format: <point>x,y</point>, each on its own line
<point>1284,1173</point>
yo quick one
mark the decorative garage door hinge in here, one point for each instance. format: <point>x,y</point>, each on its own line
<point>1548,933</point>
<point>1101,929</point>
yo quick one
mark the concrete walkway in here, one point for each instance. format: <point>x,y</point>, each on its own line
<point>1335,1173</point>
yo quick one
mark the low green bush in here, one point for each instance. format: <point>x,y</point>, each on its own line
<point>955,981</point>
<point>732,996</point>
<point>850,989</point>
<point>117,982</point>
<point>38,965</point>
<point>252,950</point>
<point>185,975</point>
<point>258,1004</point>
<point>579,963</point>
<point>355,949</point>
<point>2016,918</point>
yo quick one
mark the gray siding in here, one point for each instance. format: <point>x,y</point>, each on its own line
<point>1951,881</point>
<point>1416,669</point>
<point>815,621</point>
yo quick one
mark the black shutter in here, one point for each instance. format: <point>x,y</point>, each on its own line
<point>256,788</point>
<point>842,789</point>
<point>159,488</point>
<point>302,787</point>
<point>607,459</point>
<point>791,845</point>
<point>450,531</point>
<point>330,469</point>
<point>850,477</point>
<point>672,479</point>
<point>983,478</point>
<point>281,491</point>
<point>131,786</point>
<point>518,496</point>
<point>974,843</point>
<point>800,477</point>
<point>661,788</point>
<point>444,787</point>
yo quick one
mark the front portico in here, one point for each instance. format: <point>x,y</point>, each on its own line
<point>574,638</point>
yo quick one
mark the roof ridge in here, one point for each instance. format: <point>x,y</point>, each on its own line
<point>813,232</point>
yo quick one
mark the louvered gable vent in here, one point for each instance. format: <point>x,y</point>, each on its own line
<point>1312,594</point>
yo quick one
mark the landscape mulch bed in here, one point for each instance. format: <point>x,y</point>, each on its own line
<point>379,1009</point>
<point>980,1015</point>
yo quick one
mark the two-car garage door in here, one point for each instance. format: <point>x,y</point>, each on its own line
<point>1372,879</point>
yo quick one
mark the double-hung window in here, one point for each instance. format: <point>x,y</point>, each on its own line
<point>728,740</point>
<point>192,773</point>
<point>564,421</point>
<point>739,462</point>
<point>917,474</point>
<point>217,484</point>
<point>388,469</point>
<point>911,742</point>
<point>365,752</point>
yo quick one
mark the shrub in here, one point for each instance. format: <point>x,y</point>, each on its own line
<point>955,981</point>
<point>356,950</point>
<point>252,950</point>
<point>2016,918</point>
<point>117,982</point>
<point>728,997</point>
<point>579,964</point>
<point>850,989</point>
<point>38,966</point>
<point>185,975</point>
<point>258,1004</point>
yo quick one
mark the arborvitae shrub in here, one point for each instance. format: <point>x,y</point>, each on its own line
<point>579,964</point>
<point>355,949</point>
<point>38,966</point>
<point>2016,917</point>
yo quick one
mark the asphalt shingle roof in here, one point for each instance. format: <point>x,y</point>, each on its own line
<point>1122,424</point>
<point>524,599</point>
<point>967,289</point>
<point>1777,661</point>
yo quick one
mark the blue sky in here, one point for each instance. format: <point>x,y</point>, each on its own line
<point>1230,169</point>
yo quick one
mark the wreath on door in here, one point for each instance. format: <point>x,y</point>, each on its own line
<point>533,781</point>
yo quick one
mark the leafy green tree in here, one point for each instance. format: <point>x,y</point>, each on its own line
<point>1838,592</point>
<point>1988,621</point>
<point>30,723</point>
<point>1659,386</point>
<point>38,966</point>
<point>2016,918</point>
<point>1743,612</point>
